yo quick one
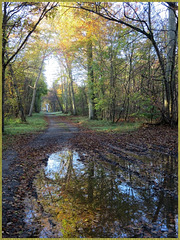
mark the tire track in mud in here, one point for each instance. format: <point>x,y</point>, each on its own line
<point>138,162</point>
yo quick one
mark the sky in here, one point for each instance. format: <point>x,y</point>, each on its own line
<point>52,70</point>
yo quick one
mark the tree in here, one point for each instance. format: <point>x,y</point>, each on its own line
<point>138,18</point>
<point>91,94</point>
<point>41,50</point>
<point>35,86</point>
<point>171,99</point>
<point>41,91</point>
<point>78,37</point>
<point>56,95</point>
<point>19,76</point>
<point>19,100</point>
<point>17,20</point>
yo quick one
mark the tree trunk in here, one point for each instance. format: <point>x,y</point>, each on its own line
<point>66,94</point>
<point>72,91</point>
<point>170,75</point>
<point>112,87</point>
<point>91,96</point>
<point>4,42</point>
<point>34,88</point>
<point>59,103</point>
<point>20,105</point>
<point>3,96</point>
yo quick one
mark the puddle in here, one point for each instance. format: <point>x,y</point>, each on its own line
<point>83,197</point>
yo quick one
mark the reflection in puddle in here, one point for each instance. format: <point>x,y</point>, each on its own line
<point>83,197</point>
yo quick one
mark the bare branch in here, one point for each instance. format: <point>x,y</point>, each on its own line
<point>44,12</point>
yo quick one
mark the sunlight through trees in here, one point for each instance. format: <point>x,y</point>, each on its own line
<point>113,60</point>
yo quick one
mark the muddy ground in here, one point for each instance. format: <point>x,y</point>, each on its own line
<point>22,162</point>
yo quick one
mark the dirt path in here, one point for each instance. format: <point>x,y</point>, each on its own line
<point>58,132</point>
<point>21,164</point>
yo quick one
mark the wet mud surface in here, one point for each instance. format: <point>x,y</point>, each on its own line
<point>65,185</point>
<point>80,196</point>
<point>18,170</point>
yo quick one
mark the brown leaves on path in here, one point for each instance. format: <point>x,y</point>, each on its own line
<point>159,138</point>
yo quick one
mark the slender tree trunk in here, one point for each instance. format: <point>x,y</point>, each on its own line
<point>59,103</point>
<point>69,97</point>
<point>112,88</point>
<point>4,43</point>
<point>3,96</point>
<point>66,94</point>
<point>83,101</point>
<point>129,83</point>
<point>35,88</point>
<point>20,105</point>
<point>64,88</point>
<point>71,88</point>
<point>72,92</point>
<point>91,96</point>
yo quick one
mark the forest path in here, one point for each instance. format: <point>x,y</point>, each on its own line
<point>59,131</point>
<point>19,166</point>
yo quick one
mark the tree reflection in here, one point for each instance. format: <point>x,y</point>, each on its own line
<point>91,200</point>
<point>90,181</point>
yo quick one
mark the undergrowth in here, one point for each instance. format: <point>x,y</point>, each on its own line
<point>104,125</point>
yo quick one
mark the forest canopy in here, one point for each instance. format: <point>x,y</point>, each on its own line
<point>115,60</point>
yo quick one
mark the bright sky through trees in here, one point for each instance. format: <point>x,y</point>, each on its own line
<point>51,71</point>
<point>52,68</point>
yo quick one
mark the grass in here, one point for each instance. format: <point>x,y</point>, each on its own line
<point>14,128</point>
<point>106,126</point>
<point>34,124</point>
